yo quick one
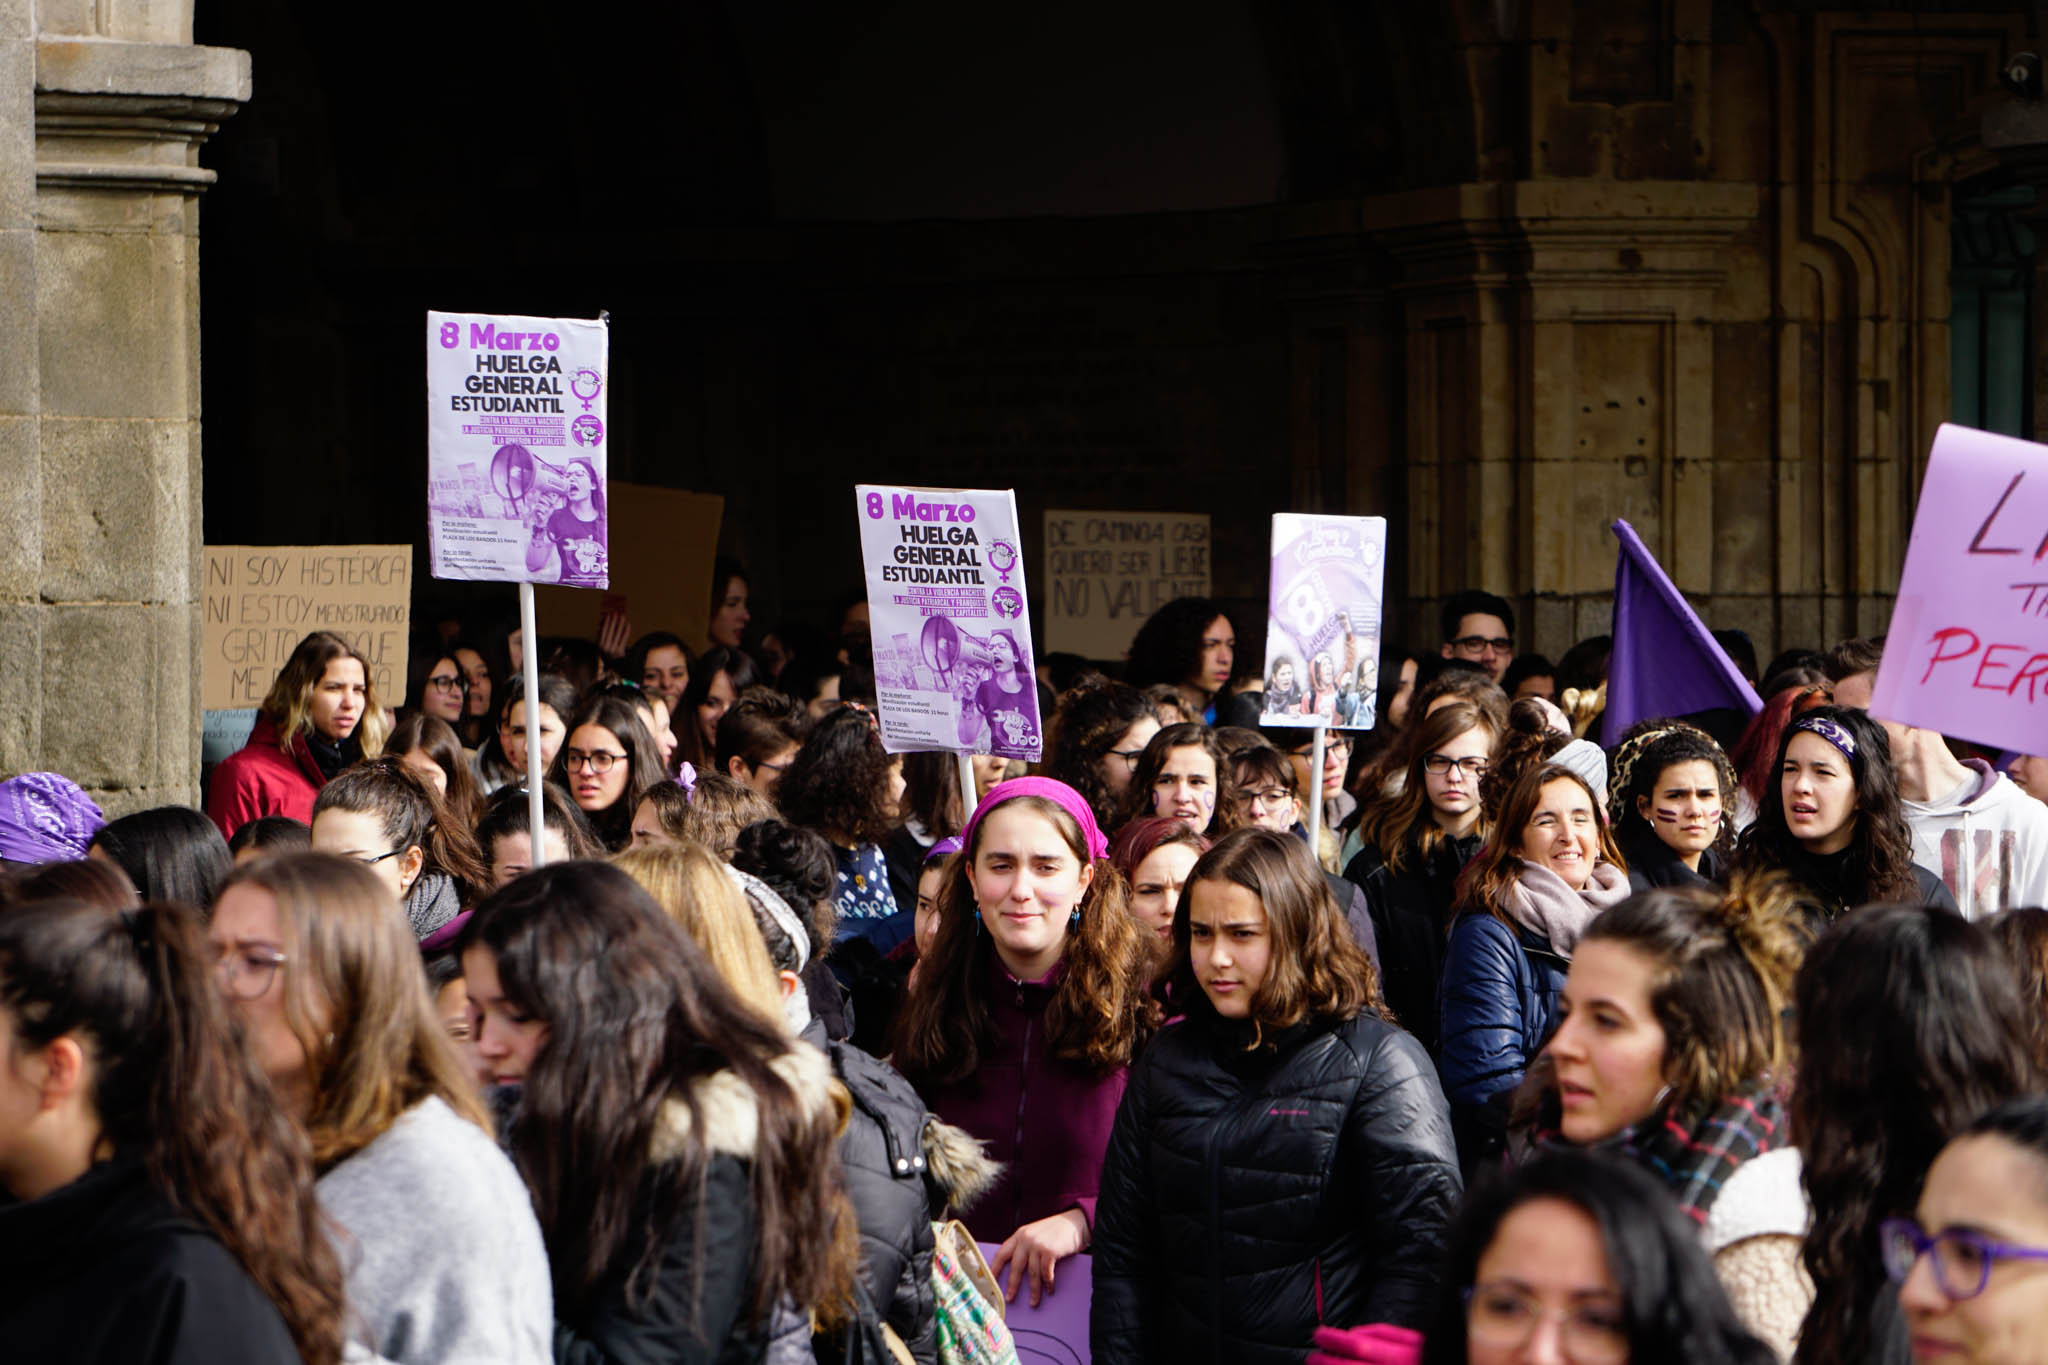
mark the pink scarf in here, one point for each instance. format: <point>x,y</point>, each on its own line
<point>1542,903</point>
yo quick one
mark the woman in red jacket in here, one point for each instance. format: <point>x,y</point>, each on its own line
<point>321,716</point>
<point>1026,1014</point>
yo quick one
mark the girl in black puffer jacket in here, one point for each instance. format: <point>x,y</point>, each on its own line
<point>1283,1155</point>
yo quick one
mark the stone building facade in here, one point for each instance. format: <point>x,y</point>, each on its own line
<point>1499,270</point>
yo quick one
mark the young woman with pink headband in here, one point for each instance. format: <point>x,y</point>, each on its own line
<point>1025,1015</point>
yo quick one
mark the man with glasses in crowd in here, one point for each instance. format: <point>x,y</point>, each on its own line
<point>1479,628</point>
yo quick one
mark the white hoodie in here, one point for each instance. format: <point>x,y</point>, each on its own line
<point>2005,833</point>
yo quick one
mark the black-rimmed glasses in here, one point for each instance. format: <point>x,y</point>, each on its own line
<point>599,761</point>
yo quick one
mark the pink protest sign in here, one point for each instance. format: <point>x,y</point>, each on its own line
<point>1967,653</point>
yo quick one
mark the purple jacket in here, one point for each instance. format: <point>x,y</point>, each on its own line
<point>1046,1120</point>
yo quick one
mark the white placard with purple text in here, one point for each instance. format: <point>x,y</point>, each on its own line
<point>953,662</point>
<point>1323,621</point>
<point>516,444</point>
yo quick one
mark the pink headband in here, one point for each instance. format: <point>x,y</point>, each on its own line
<point>1059,793</point>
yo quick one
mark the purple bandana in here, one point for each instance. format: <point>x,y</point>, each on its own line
<point>45,818</point>
<point>1059,793</point>
<point>1829,730</point>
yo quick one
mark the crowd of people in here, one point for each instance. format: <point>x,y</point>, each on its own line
<point>1726,1044</point>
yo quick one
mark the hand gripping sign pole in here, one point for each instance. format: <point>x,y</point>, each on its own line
<point>516,458</point>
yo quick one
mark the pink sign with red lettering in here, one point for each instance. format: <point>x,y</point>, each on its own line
<point>1967,653</point>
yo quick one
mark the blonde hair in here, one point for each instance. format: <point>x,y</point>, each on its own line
<point>290,701</point>
<point>693,888</point>
<point>357,1000</point>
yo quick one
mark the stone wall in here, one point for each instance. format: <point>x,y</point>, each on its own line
<point>104,111</point>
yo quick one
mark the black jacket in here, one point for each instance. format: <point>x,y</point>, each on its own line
<point>1653,863</point>
<point>887,1177</point>
<point>695,1310</point>
<point>1411,918</point>
<point>105,1270</point>
<point>1248,1196</point>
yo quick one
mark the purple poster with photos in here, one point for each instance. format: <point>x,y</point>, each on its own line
<point>953,661</point>
<point>516,445</point>
<point>1323,621</point>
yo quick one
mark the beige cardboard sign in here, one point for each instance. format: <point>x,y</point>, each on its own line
<point>259,601</point>
<point>1105,572</point>
<point>662,543</point>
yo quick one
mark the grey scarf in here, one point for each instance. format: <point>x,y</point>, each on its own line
<point>432,902</point>
<point>1542,903</point>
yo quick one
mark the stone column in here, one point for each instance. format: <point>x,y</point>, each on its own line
<point>1560,374</point>
<point>99,390</point>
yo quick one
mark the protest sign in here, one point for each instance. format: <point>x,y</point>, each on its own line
<point>662,543</point>
<point>1323,626</point>
<point>1105,572</point>
<point>953,661</point>
<point>1055,1332</point>
<point>516,444</point>
<point>1967,652</point>
<point>259,601</point>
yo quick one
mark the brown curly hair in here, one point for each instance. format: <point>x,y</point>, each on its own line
<point>1099,1014</point>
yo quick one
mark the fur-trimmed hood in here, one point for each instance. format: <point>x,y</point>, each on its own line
<point>958,1164</point>
<point>731,1113</point>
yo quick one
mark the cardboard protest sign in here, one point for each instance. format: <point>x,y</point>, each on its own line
<point>1105,572</point>
<point>516,443</point>
<point>1323,621</point>
<point>1967,652</point>
<point>1055,1332</point>
<point>662,543</point>
<point>259,601</point>
<point>953,662</point>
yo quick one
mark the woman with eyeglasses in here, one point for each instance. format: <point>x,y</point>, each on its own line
<point>607,763</point>
<point>1573,1257</point>
<point>1096,739</point>
<point>1671,795</point>
<point>1415,844</point>
<point>1970,1263</point>
<point>381,815</point>
<point>437,1238</point>
<point>159,1205</point>
<point>1911,1024</point>
<point>435,685</point>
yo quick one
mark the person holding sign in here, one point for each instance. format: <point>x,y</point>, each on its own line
<point>321,716</point>
<point>1025,1013</point>
<point>1283,1155</point>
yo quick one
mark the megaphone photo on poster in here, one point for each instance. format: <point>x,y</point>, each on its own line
<point>990,676</point>
<point>563,509</point>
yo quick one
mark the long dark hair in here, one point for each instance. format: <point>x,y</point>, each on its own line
<point>173,1086</point>
<point>1093,715</point>
<point>1168,647</point>
<point>637,1020</point>
<point>838,783</point>
<point>1879,861</point>
<point>171,853</point>
<point>1910,1025</point>
<point>1099,1013</point>
<point>556,693</point>
<point>437,739</point>
<point>614,824</point>
<point>738,668</point>
<point>1672,1304</point>
<point>411,815</point>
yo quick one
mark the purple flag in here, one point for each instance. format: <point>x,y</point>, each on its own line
<point>1665,661</point>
